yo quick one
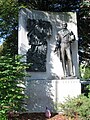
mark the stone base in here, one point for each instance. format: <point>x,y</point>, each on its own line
<point>49,93</point>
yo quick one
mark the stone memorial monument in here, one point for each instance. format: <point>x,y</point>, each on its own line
<point>49,41</point>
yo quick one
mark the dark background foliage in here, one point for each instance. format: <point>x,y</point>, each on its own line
<point>9,20</point>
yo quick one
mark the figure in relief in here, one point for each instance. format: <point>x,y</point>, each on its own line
<point>38,33</point>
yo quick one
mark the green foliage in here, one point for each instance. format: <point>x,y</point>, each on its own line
<point>51,5</point>
<point>9,25</point>
<point>84,71</point>
<point>83,31</point>
<point>77,106</point>
<point>1,48</point>
<point>87,73</point>
<point>8,16</point>
<point>12,84</point>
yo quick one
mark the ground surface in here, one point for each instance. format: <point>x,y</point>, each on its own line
<point>39,116</point>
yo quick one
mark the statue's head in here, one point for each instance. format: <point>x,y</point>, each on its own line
<point>64,25</point>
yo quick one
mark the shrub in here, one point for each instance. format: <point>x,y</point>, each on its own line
<point>79,105</point>
<point>87,73</point>
<point>12,73</point>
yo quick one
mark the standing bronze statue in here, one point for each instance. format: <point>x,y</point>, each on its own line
<point>63,43</point>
